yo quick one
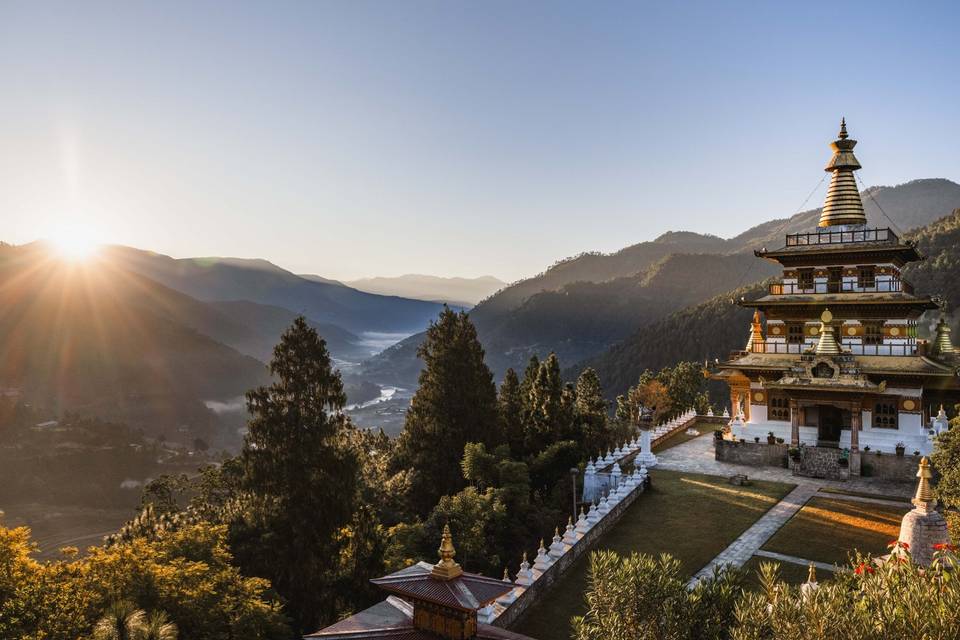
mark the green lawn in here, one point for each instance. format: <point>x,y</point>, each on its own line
<point>681,436</point>
<point>693,517</point>
<point>829,529</point>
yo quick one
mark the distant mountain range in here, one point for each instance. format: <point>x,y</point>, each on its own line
<point>323,301</point>
<point>582,306</point>
<point>462,292</point>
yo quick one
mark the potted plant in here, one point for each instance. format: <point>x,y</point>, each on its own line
<point>794,453</point>
<point>866,448</point>
<point>901,447</point>
<point>757,439</point>
<point>771,439</point>
<point>779,440</point>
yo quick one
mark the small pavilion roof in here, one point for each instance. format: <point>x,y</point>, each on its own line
<point>468,591</point>
<point>393,618</point>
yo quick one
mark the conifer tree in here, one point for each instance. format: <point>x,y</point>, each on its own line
<point>591,412</point>
<point>510,405</point>
<point>303,476</point>
<point>456,403</point>
<point>529,377</point>
<point>544,420</point>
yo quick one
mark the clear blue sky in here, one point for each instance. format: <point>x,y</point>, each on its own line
<point>454,138</point>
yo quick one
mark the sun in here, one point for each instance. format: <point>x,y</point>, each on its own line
<point>75,243</point>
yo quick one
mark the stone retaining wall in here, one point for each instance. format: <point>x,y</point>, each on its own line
<point>820,462</point>
<point>750,453</point>
<point>542,585</point>
<point>890,467</point>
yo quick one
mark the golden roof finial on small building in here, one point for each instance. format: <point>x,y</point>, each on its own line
<point>755,341</point>
<point>843,129</point>
<point>942,344</point>
<point>446,568</point>
<point>924,497</point>
<point>812,573</point>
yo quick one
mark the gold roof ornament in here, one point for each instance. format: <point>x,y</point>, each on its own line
<point>755,341</point>
<point>942,344</point>
<point>827,344</point>
<point>446,568</point>
<point>924,497</point>
<point>843,205</point>
<point>812,573</point>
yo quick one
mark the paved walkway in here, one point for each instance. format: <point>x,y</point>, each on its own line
<point>696,456</point>
<point>782,557</point>
<point>750,541</point>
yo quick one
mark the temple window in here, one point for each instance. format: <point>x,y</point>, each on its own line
<point>834,279</point>
<point>805,279</point>
<point>778,407</point>
<point>885,414</point>
<point>872,333</point>
<point>795,333</point>
<point>866,277</point>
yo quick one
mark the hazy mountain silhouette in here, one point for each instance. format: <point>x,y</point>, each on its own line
<point>464,292</point>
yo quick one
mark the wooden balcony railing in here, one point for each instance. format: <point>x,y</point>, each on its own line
<point>909,349</point>
<point>891,285</point>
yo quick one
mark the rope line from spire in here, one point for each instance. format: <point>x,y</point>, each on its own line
<point>782,226</point>
<point>870,193</point>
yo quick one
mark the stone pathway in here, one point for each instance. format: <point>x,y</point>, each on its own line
<point>750,541</point>
<point>782,557</point>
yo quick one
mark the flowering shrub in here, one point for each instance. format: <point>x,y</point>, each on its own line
<point>877,600</point>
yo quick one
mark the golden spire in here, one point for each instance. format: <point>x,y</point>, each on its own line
<point>843,205</point>
<point>827,345</point>
<point>942,344</point>
<point>812,570</point>
<point>924,497</point>
<point>755,341</point>
<point>446,568</point>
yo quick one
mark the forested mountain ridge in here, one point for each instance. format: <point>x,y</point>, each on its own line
<point>581,306</point>
<point>325,302</point>
<point>106,342</point>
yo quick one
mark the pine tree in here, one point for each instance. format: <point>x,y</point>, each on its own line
<point>510,405</point>
<point>303,475</point>
<point>591,412</point>
<point>456,403</point>
<point>545,411</point>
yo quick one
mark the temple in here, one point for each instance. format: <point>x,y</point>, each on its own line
<point>841,364</point>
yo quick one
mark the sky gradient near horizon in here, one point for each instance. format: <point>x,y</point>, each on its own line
<point>360,138</point>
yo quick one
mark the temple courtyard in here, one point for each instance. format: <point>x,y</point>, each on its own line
<point>694,513</point>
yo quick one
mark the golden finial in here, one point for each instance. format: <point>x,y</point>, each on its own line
<point>556,531</point>
<point>446,568</point>
<point>755,341</point>
<point>942,344</point>
<point>570,520</point>
<point>506,575</point>
<point>924,497</point>
<point>843,205</point>
<point>827,344</point>
<point>812,573</point>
